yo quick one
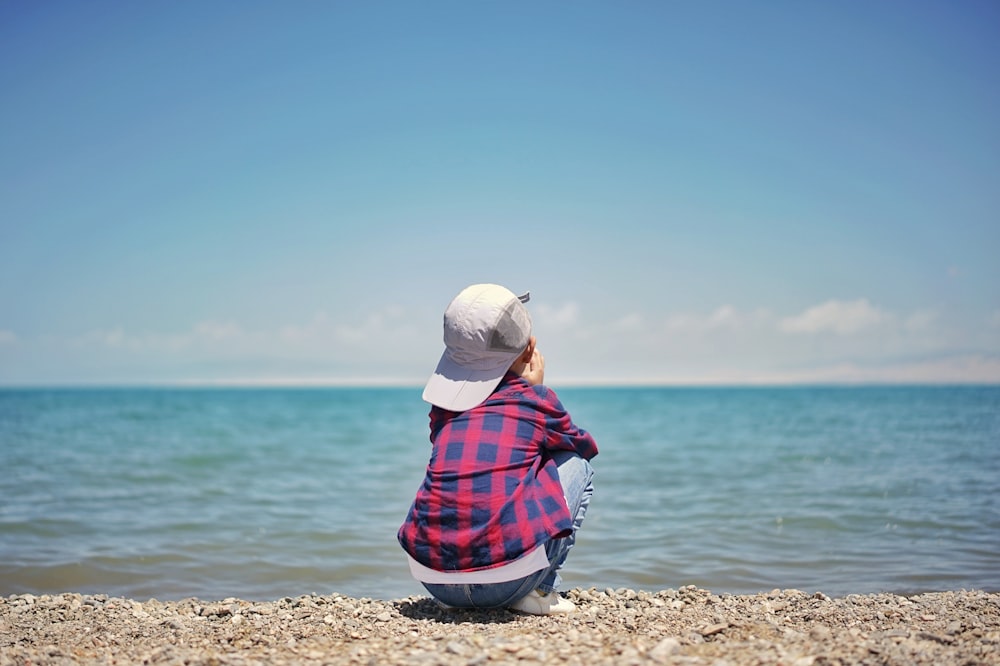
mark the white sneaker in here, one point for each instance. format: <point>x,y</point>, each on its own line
<point>538,603</point>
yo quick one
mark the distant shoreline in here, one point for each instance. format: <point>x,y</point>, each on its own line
<point>408,385</point>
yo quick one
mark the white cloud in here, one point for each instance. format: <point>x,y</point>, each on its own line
<point>723,318</point>
<point>564,316</point>
<point>946,369</point>
<point>957,369</point>
<point>920,320</point>
<point>388,326</point>
<point>630,322</point>
<point>724,344</point>
<point>380,346</point>
<point>841,317</point>
<point>384,334</point>
<point>725,315</point>
<point>209,333</point>
<point>217,331</point>
<point>114,338</point>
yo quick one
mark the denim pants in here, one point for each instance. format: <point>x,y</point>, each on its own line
<point>575,475</point>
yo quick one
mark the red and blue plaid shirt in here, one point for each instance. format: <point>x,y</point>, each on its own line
<point>492,492</point>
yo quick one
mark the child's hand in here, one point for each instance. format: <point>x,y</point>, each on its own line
<point>534,370</point>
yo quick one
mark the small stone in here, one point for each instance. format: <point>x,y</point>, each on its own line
<point>819,632</point>
<point>944,640</point>
<point>713,629</point>
<point>218,610</point>
<point>663,650</point>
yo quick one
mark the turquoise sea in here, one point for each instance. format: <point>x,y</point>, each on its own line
<point>261,494</point>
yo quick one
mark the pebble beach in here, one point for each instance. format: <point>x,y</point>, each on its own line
<point>688,625</point>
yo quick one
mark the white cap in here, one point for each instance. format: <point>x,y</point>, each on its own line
<point>486,327</point>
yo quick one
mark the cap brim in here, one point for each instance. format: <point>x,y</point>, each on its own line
<point>457,389</point>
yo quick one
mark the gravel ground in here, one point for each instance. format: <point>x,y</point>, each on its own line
<point>621,627</point>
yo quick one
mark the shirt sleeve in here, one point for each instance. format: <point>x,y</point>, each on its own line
<point>562,433</point>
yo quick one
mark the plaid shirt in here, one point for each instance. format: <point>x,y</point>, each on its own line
<point>491,493</point>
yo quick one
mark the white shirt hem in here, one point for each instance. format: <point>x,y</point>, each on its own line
<point>527,564</point>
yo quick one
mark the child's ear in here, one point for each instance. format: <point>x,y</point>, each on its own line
<point>529,350</point>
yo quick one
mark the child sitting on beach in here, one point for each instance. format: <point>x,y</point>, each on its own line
<point>508,482</point>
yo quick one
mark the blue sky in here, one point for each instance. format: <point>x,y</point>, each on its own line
<point>291,193</point>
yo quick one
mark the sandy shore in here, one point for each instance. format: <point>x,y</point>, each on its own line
<point>683,626</point>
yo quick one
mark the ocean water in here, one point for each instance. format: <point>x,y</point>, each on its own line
<point>262,494</point>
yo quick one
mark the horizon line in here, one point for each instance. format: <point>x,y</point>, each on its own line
<point>300,383</point>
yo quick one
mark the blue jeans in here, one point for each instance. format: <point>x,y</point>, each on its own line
<point>575,475</point>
